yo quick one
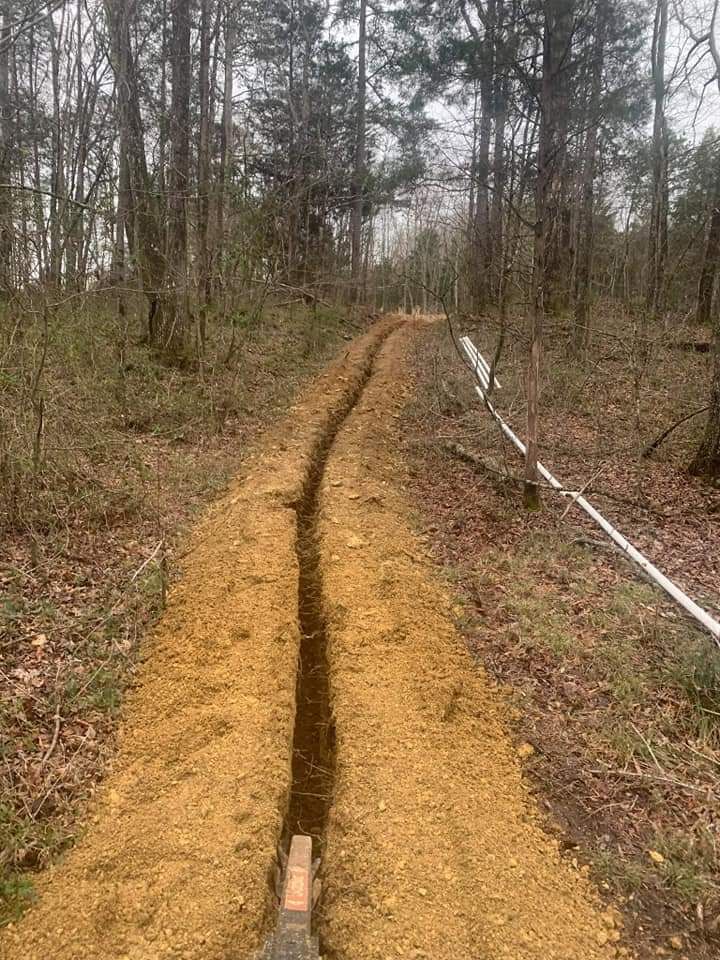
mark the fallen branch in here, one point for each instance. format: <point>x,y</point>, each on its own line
<point>630,501</point>
<point>305,294</point>
<point>142,566</point>
<point>590,542</point>
<point>582,490</point>
<point>467,456</point>
<point>692,346</point>
<point>653,445</point>
<point>289,303</point>
<point>53,743</point>
<point>640,775</point>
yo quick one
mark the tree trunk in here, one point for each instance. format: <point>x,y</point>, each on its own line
<point>657,241</point>
<point>499,178</point>
<point>203,176</point>
<point>173,319</point>
<point>706,462</point>
<point>708,274</point>
<point>469,252</point>
<point>358,184</point>
<point>6,137</point>
<point>303,177</point>
<point>57,170</point>
<point>586,224</point>
<point>226,132</point>
<point>74,241</point>
<point>121,214</point>
<point>41,238</point>
<point>481,227</point>
<point>558,21</point>
<point>481,251</point>
<point>143,233</point>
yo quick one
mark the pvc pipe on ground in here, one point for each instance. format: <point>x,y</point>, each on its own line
<point>479,363</point>
<point>479,371</point>
<point>476,357</point>
<point>686,602</point>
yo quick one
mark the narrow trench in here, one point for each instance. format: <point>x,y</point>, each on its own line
<point>313,755</point>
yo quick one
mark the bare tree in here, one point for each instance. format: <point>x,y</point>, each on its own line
<point>358,184</point>
<point>226,133</point>
<point>6,200</point>
<point>658,235</point>
<point>140,211</point>
<point>557,32</point>
<point>173,318</point>
<point>204,170</point>
<point>586,220</point>
<point>706,461</point>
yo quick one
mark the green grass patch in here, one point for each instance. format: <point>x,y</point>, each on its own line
<point>17,893</point>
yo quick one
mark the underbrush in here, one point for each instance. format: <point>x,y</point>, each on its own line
<point>84,405</point>
<point>615,689</point>
<point>105,455</point>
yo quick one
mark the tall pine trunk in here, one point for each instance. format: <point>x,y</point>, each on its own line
<point>556,38</point>
<point>6,199</point>
<point>358,182</point>
<point>657,241</point>
<point>203,175</point>
<point>481,228</point>
<point>586,224</point>
<point>706,462</point>
<point>708,274</point>
<point>481,249</point>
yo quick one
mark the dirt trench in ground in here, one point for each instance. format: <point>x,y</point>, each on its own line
<point>431,844</point>
<point>434,846</point>
<point>176,857</point>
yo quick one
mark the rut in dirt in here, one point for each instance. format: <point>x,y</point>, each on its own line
<point>313,753</point>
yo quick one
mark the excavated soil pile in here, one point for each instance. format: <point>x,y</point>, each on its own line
<point>434,849</point>
<point>431,845</point>
<point>176,858</point>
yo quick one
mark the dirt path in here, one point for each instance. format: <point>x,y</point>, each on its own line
<point>432,846</point>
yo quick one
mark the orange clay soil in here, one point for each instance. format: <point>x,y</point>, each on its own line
<point>434,849</point>
<point>181,841</point>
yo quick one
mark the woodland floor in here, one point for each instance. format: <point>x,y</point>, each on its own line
<point>615,691</point>
<point>433,845</point>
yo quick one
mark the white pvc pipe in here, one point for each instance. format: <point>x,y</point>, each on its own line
<point>479,362</point>
<point>478,370</point>
<point>689,605</point>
